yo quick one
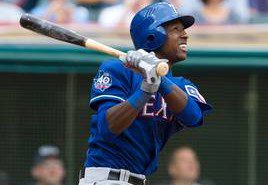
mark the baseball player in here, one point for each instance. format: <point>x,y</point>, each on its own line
<point>138,111</point>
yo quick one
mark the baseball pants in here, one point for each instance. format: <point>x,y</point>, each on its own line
<point>102,176</point>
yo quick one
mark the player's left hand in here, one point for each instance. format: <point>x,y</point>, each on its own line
<point>145,63</point>
<point>133,59</point>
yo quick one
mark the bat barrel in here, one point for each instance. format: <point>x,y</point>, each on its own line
<point>27,19</point>
<point>51,30</point>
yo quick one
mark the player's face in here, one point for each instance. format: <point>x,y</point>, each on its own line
<point>50,171</point>
<point>175,47</point>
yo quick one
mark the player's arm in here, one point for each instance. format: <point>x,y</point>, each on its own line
<point>183,106</point>
<point>122,115</point>
<point>116,117</point>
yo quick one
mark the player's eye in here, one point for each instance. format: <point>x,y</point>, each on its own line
<point>177,28</point>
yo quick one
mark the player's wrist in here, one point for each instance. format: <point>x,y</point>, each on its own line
<point>139,99</point>
<point>166,86</point>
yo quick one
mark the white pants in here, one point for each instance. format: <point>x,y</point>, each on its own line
<point>99,176</point>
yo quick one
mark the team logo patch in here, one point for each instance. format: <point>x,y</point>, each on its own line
<point>102,81</point>
<point>192,91</point>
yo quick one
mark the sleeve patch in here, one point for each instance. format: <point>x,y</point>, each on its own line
<point>102,81</point>
<point>192,91</point>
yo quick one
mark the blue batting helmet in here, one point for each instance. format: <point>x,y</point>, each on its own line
<point>146,27</point>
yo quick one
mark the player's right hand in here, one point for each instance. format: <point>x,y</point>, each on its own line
<point>144,63</point>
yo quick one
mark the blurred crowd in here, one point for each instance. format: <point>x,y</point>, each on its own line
<point>118,13</point>
<point>183,168</point>
<point>47,168</point>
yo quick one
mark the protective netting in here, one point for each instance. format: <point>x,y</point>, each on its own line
<point>39,109</point>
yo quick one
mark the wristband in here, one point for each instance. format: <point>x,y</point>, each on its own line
<point>166,86</point>
<point>138,99</point>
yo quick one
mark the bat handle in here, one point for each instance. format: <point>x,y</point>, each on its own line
<point>161,69</point>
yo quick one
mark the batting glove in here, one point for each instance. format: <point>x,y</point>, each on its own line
<point>144,63</point>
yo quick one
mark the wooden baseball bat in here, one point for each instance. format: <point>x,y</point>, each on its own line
<point>57,32</point>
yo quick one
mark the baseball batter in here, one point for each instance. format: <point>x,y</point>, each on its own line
<point>138,111</point>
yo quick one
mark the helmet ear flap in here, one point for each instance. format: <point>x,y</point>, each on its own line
<point>155,38</point>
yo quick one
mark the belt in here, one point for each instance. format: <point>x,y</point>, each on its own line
<point>115,175</point>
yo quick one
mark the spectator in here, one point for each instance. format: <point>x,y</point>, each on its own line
<point>61,11</point>
<point>187,6</point>
<point>95,6</point>
<point>4,179</point>
<point>214,12</point>
<point>259,11</point>
<point>121,15</point>
<point>239,8</point>
<point>184,167</point>
<point>26,5</point>
<point>48,168</point>
<point>260,6</point>
<point>100,2</point>
<point>10,13</point>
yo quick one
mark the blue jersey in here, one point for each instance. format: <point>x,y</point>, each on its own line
<point>137,148</point>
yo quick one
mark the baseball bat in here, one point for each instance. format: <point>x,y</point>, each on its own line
<point>57,32</point>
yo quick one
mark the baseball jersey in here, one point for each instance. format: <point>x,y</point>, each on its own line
<point>137,148</point>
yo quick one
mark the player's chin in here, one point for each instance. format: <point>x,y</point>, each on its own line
<point>182,56</point>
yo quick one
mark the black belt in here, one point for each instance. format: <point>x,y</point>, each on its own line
<point>115,175</point>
